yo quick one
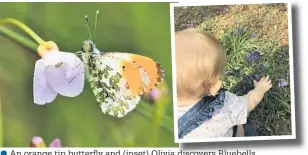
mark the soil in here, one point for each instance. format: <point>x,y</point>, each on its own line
<point>193,16</point>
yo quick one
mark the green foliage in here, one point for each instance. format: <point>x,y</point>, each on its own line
<point>273,115</point>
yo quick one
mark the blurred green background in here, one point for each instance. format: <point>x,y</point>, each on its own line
<point>141,28</point>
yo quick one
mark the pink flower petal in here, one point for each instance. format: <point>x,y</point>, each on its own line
<point>55,143</point>
<point>42,91</point>
<point>65,73</point>
<point>154,94</point>
<point>37,142</point>
<point>66,86</point>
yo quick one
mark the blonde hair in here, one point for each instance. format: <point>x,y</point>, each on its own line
<point>200,62</point>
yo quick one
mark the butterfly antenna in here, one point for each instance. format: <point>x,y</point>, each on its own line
<point>87,21</point>
<point>97,11</point>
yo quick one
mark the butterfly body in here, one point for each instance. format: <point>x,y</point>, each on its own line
<point>119,79</point>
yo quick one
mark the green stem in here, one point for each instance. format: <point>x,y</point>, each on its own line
<point>21,39</point>
<point>24,27</point>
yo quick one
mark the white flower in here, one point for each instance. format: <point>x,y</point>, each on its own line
<point>57,73</point>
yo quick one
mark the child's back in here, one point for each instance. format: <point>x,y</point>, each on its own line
<point>204,109</point>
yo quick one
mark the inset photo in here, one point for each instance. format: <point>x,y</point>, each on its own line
<point>232,72</point>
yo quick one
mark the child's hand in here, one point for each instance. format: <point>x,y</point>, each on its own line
<point>263,85</point>
<point>255,96</point>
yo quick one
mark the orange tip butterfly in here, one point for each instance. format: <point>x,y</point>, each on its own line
<point>118,79</point>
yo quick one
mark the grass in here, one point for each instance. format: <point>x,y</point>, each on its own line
<point>272,116</point>
<point>244,29</point>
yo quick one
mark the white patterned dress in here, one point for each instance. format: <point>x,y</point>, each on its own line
<point>234,112</point>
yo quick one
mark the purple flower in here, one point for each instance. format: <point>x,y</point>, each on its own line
<point>55,143</point>
<point>254,55</point>
<point>283,82</point>
<point>157,94</point>
<point>253,34</point>
<point>153,95</point>
<point>39,142</point>
<point>57,73</point>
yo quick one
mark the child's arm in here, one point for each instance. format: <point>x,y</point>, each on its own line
<point>255,96</point>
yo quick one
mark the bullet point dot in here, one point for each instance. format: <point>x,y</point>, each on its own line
<point>3,152</point>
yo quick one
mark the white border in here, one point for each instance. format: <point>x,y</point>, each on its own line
<point>144,1</point>
<point>175,113</point>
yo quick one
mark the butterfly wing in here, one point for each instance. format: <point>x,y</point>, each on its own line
<point>117,84</point>
<point>151,67</point>
<point>119,79</point>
